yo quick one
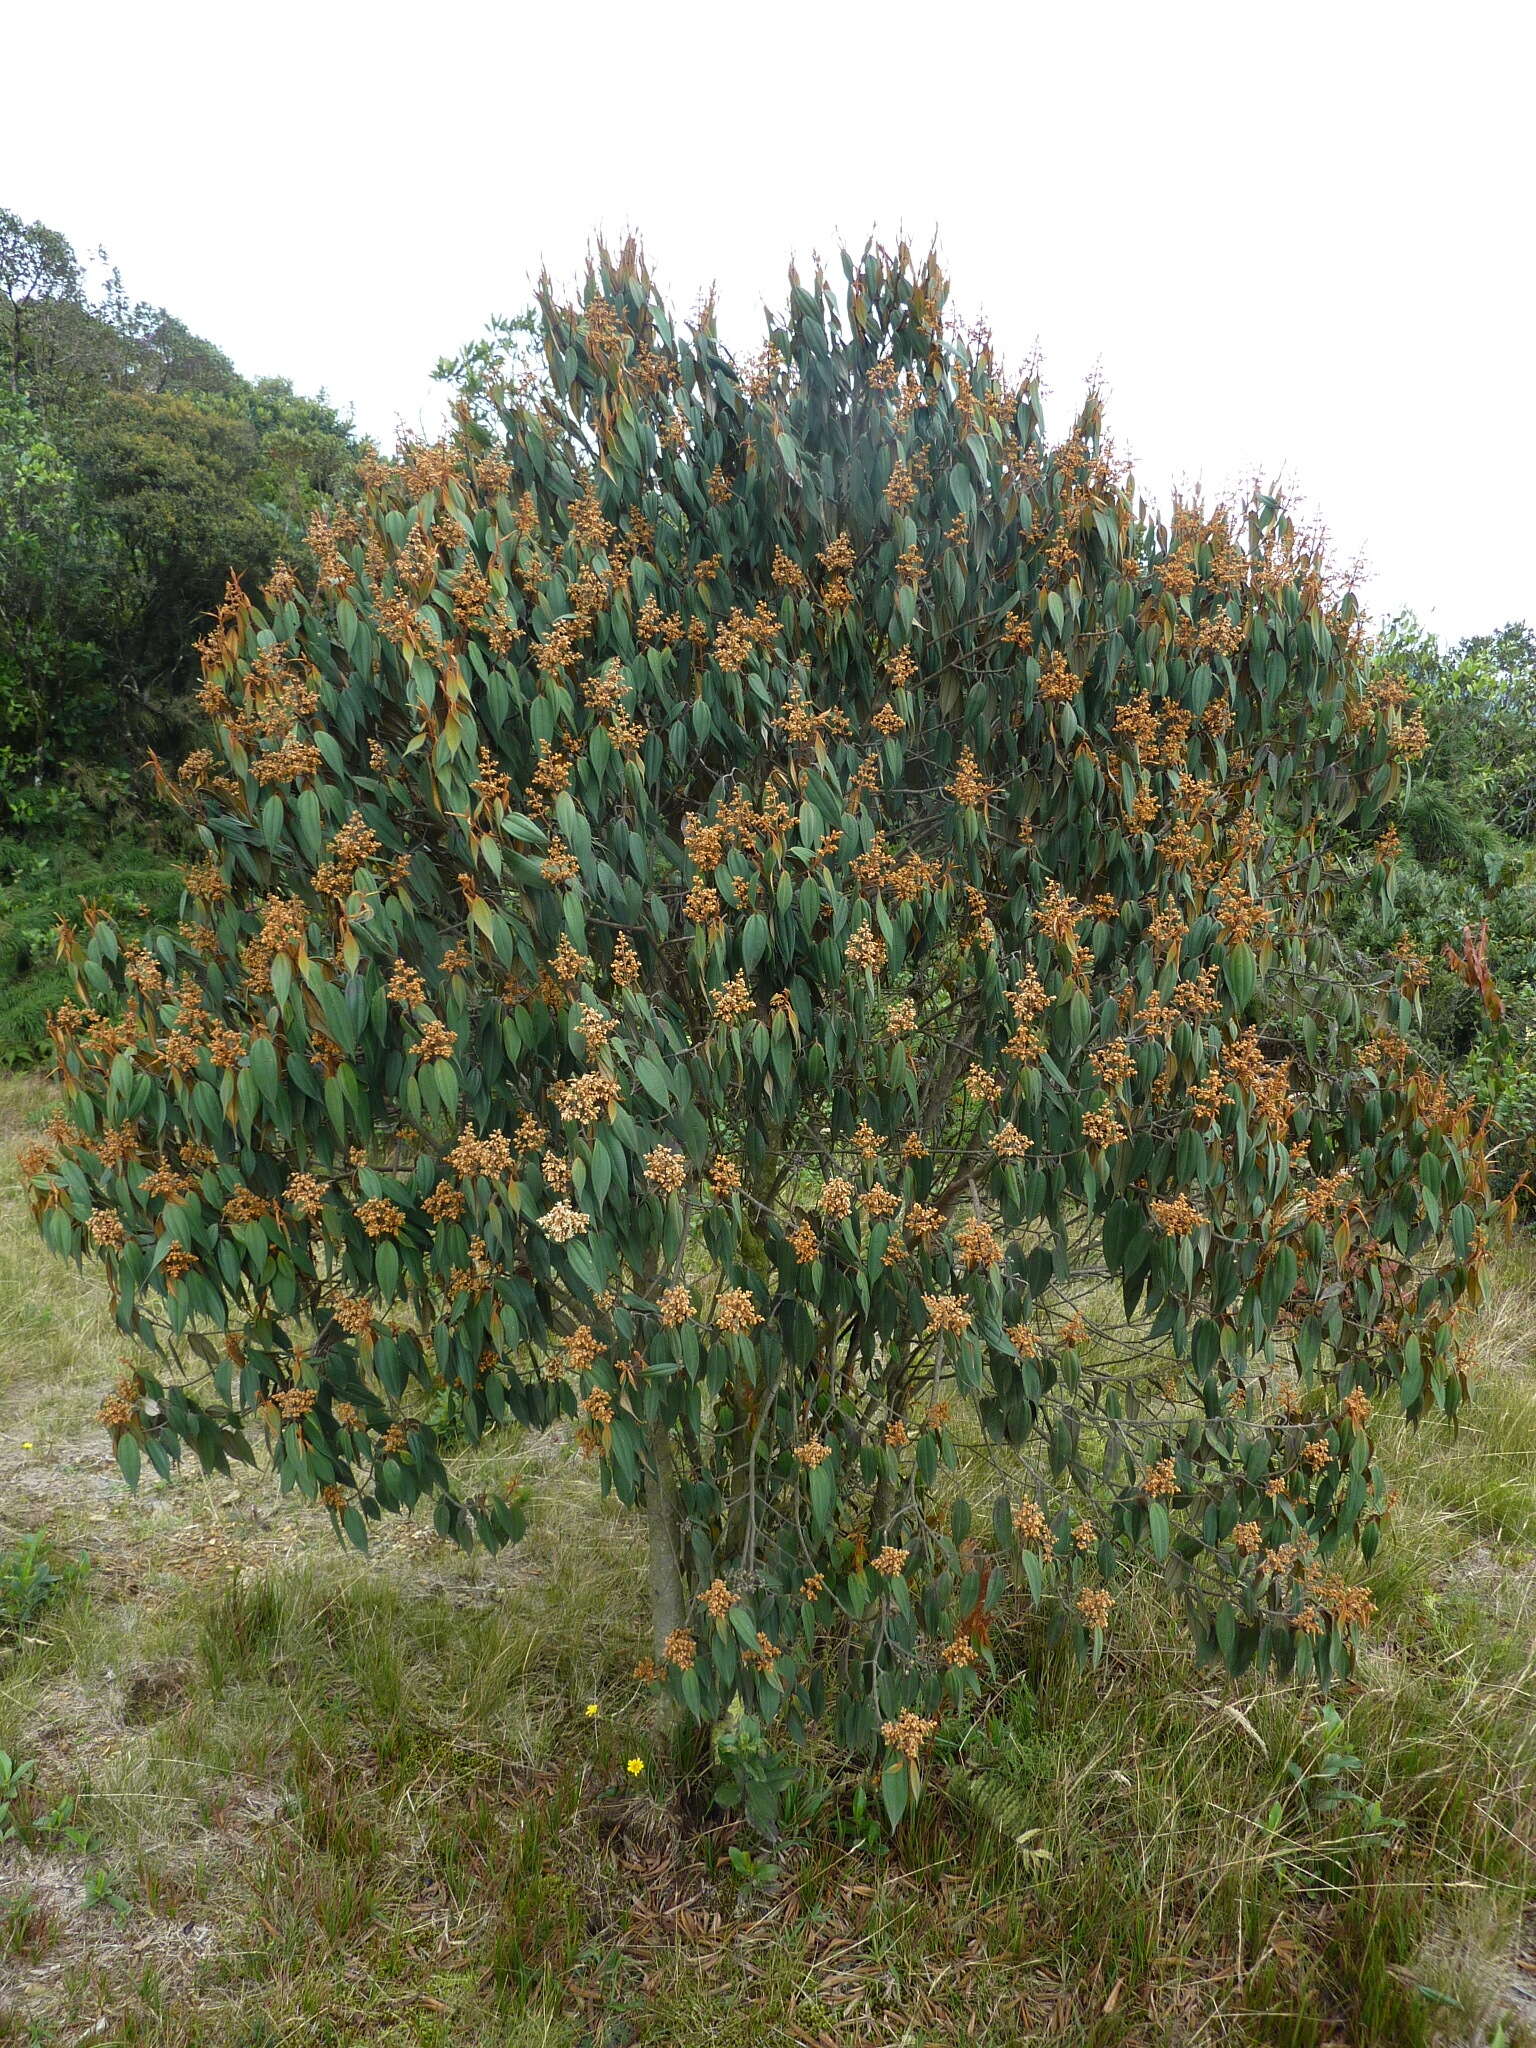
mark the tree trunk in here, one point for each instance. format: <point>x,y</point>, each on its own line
<point>664,1522</point>
<point>688,1740</point>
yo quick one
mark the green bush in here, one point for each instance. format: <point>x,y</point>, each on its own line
<point>729,919</point>
<point>1437,827</point>
<point>32,1579</point>
<point>1465,880</point>
<point>43,883</point>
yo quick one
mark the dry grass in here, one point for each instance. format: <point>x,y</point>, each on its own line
<point>323,1799</point>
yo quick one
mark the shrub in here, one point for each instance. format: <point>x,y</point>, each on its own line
<point>44,880</point>
<point>737,919</point>
<point>1442,835</point>
<point>1464,883</point>
<point>31,1580</point>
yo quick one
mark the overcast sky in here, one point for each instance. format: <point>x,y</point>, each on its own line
<point>1294,240</point>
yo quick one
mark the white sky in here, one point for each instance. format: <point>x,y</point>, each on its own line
<point>1294,239</point>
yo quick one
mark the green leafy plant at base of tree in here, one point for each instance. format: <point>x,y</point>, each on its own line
<point>724,915</point>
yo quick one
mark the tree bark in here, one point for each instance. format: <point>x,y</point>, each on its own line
<point>664,1523</point>
<point>688,1740</point>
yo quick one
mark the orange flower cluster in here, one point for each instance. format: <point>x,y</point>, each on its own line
<point>1093,1605</point>
<point>1160,1481</point>
<point>948,1312</point>
<point>666,1170</point>
<point>490,1157</point>
<point>305,1194</point>
<point>562,1223</point>
<point>804,1243</point>
<point>733,1002</point>
<point>908,1733</point>
<point>1102,1128</point>
<point>436,1041</point>
<point>1030,1524</point>
<point>1113,1064</point>
<point>908,880</point>
<point>977,1244</point>
<point>970,788</point>
<point>740,637</point>
<point>1058,685</point>
<point>1178,1216</point>
<point>736,1312</point>
<point>1058,915</point>
<point>405,985</point>
<point>585,1098</point>
<point>717,1600</point>
<point>675,1307</point>
<point>380,1218</point>
<point>866,949</point>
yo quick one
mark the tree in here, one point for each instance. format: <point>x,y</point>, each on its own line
<point>501,366</point>
<point>59,585</point>
<point>776,916</point>
<point>1478,700</point>
<point>37,268</point>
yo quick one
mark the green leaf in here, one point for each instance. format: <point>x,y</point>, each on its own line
<point>263,1065</point>
<point>823,1496</point>
<point>128,1457</point>
<point>602,1173</point>
<point>1226,1635</point>
<point>386,1269</point>
<point>1240,972</point>
<point>652,1077</point>
<point>754,940</point>
<point>893,1789</point>
<point>744,1626</point>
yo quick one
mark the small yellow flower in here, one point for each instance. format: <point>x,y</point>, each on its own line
<point>593,1710</point>
<point>635,1766</point>
<point>26,1447</point>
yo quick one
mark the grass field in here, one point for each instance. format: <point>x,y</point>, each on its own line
<point>268,1793</point>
